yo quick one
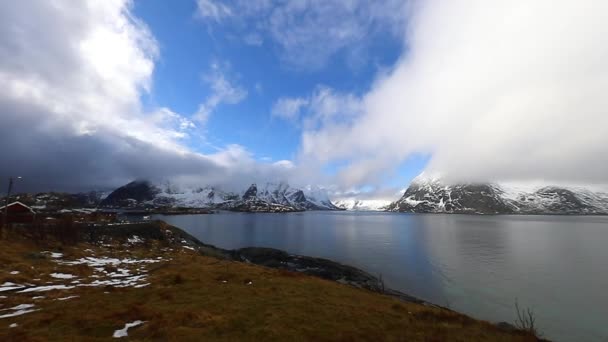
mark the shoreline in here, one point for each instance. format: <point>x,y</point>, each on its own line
<point>317,267</point>
<point>284,280</point>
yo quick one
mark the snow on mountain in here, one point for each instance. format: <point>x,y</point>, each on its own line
<point>193,197</point>
<point>431,195</point>
<point>354,204</point>
<point>318,197</point>
<point>168,194</point>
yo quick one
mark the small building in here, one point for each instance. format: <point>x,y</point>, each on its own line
<point>18,213</point>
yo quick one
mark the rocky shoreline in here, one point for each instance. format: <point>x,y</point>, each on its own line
<point>268,257</point>
<point>151,232</point>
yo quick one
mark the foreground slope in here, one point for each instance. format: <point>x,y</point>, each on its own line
<point>90,291</point>
<point>432,195</point>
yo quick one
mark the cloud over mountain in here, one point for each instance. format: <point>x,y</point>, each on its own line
<point>491,91</point>
<point>72,75</point>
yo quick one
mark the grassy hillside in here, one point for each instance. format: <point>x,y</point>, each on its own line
<point>180,294</point>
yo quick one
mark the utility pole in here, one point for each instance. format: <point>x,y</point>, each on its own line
<point>8,195</point>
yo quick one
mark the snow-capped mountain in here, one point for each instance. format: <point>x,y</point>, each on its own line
<point>432,195</point>
<point>167,194</point>
<point>355,204</point>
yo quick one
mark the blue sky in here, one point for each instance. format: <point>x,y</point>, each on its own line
<point>190,44</point>
<point>351,95</point>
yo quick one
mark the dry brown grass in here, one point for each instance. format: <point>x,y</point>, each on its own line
<point>198,298</point>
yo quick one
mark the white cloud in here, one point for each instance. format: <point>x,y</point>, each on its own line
<point>323,107</point>
<point>222,91</point>
<point>493,91</point>
<point>215,10</point>
<point>71,109</point>
<point>310,32</point>
<point>289,108</point>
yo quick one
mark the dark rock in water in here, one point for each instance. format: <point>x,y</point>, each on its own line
<point>318,267</point>
<point>131,195</point>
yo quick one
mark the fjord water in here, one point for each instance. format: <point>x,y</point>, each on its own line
<point>479,265</point>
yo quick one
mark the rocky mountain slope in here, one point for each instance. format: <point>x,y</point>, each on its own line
<point>354,204</point>
<point>432,195</point>
<point>270,197</point>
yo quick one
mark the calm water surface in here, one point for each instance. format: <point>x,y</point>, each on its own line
<point>556,265</point>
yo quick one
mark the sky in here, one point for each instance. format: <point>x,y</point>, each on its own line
<point>355,96</point>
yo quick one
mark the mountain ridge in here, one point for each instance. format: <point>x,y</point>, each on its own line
<point>433,195</point>
<point>269,197</point>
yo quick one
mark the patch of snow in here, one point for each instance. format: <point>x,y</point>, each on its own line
<point>19,310</point>
<point>124,331</point>
<point>38,297</point>
<point>66,298</point>
<point>17,313</point>
<point>135,239</point>
<point>20,307</point>
<point>14,325</point>
<point>14,272</point>
<point>188,247</point>
<point>62,276</point>
<point>54,255</point>
<point>8,286</point>
<point>46,288</point>
<point>103,261</point>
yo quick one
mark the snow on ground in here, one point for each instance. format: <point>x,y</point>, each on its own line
<point>103,261</point>
<point>46,288</point>
<point>135,239</point>
<point>53,254</point>
<point>18,310</point>
<point>62,276</point>
<point>123,272</point>
<point>104,271</point>
<point>8,286</point>
<point>14,272</point>
<point>124,331</point>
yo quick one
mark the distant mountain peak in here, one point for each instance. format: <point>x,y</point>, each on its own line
<point>277,197</point>
<point>432,195</point>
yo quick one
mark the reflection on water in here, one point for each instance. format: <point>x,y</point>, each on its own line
<point>557,265</point>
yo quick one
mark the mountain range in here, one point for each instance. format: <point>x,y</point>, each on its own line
<point>274,197</point>
<point>424,195</point>
<point>354,204</point>
<point>433,195</point>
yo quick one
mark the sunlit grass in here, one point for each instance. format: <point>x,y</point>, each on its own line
<point>195,298</point>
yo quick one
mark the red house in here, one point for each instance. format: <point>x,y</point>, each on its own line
<point>18,213</point>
